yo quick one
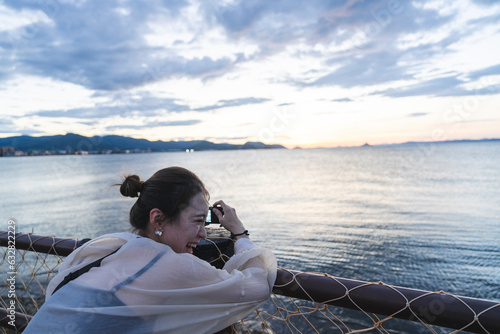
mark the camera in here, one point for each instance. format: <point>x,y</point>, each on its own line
<point>211,216</point>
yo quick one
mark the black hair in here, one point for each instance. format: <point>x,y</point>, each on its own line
<point>169,189</point>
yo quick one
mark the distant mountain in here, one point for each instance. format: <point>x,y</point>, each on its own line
<point>411,143</point>
<point>72,143</point>
<point>445,141</point>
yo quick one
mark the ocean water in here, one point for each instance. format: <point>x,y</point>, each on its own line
<point>424,216</point>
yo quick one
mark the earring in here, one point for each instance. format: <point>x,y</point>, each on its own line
<point>159,231</point>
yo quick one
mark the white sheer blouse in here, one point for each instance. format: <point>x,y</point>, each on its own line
<point>145,287</point>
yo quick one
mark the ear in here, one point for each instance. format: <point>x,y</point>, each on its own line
<point>156,217</point>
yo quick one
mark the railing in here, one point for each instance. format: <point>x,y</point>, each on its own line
<point>435,308</point>
<point>299,297</point>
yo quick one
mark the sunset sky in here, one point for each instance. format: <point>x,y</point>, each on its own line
<point>299,73</point>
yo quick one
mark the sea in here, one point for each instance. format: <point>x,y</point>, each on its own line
<point>423,215</point>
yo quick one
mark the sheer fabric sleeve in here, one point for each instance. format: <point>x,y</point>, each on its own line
<point>187,295</point>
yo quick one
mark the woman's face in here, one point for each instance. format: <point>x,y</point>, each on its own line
<point>189,229</point>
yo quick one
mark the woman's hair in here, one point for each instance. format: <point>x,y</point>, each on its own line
<point>169,189</point>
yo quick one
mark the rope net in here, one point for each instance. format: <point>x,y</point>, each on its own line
<point>300,303</point>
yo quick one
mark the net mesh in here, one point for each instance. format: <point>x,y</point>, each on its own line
<point>33,269</point>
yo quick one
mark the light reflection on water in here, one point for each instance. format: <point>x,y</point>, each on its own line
<point>386,214</point>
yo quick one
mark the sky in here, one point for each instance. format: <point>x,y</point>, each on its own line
<point>299,73</point>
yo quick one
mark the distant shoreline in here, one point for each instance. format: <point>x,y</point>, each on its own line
<point>73,144</point>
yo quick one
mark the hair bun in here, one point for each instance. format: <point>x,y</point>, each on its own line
<point>131,186</point>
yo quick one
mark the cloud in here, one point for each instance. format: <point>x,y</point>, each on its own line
<point>445,86</point>
<point>178,123</point>
<point>121,104</point>
<point>105,45</point>
<point>146,102</point>
<point>22,131</point>
<point>125,104</point>
<point>142,104</point>
<point>5,122</point>
<point>369,69</point>
<point>491,70</point>
<point>434,87</point>
<point>79,44</point>
<point>486,121</point>
<point>486,2</point>
<point>102,45</point>
<point>153,125</point>
<point>417,114</point>
<point>345,99</point>
<point>233,103</point>
<point>378,54</point>
<point>8,126</point>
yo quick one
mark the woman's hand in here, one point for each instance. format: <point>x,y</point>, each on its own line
<point>230,220</point>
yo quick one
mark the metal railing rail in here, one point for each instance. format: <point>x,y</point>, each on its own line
<point>434,308</point>
<point>42,244</point>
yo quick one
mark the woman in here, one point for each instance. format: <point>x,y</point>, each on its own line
<point>151,282</point>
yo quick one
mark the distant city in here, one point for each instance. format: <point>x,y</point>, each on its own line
<point>73,144</point>
<point>8,151</point>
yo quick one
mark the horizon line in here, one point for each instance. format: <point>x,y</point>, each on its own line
<point>366,144</point>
